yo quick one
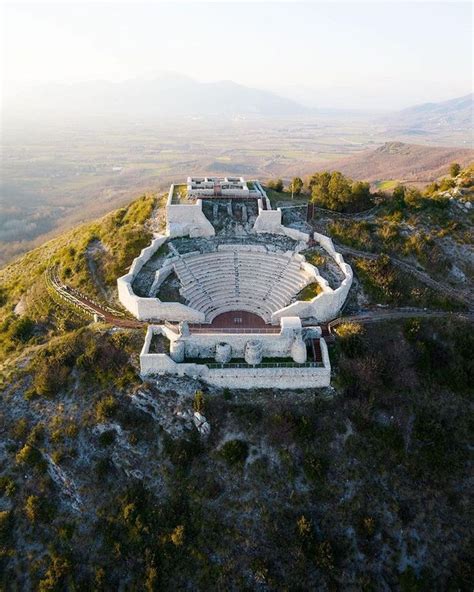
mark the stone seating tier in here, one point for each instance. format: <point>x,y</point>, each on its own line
<point>231,280</point>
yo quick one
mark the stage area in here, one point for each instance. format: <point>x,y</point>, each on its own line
<point>238,321</point>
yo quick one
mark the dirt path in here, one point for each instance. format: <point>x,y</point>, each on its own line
<point>373,316</point>
<point>94,247</point>
<point>87,305</point>
<point>420,275</point>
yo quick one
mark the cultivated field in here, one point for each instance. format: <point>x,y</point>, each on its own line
<point>55,175</point>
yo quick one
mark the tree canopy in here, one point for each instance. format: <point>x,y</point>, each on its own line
<point>296,186</point>
<point>337,192</point>
<point>276,185</point>
<point>454,169</point>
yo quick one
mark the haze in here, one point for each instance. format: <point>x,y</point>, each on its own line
<point>374,55</point>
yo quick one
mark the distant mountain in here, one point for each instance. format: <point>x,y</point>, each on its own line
<point>169,95</point>
<point>422,119</point>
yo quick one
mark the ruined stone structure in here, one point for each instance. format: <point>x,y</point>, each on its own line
<point>233,293</point>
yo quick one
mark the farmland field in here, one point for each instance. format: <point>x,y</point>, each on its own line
<point>55,174</point>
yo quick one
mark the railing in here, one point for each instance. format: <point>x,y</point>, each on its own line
<point>234,330</point>
<point>266,365</point>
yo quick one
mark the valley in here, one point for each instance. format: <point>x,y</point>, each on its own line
<point>56,174</point>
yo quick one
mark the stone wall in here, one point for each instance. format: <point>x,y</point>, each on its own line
<point>242,378</point>
<point>327,305</point>
<point>269,221</point>
<point>186,219</point>
<point>274,345</point>
<point>146,309</point>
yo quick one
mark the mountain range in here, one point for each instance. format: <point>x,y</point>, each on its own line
<point>172,95</point>
<point>169,95</point>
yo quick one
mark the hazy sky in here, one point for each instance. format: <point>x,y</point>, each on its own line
<point>339,54</point>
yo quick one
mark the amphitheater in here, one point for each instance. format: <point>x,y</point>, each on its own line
<point>230,292</point>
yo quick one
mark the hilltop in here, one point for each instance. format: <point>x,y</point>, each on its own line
<point>400,162</point>
<point>453,114</point>
<point>327,487</point>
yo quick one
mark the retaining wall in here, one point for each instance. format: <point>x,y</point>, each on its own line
<point>145,309</point>
<point>327,305</point>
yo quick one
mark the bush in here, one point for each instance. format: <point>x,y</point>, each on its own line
<point>6,524</point>
<point>183,451</point>
<point>350,338</point>
<point>23,329</point>
<point>276,185</point>
<point>354,234</point>
<point>105,409</point>
<point>454,169</point>
<point>235,452</point>
<point>38,509</point>
<point>7,486</point>
<point>30,455</point>
<point>107,438</point>
<point>199,402</point>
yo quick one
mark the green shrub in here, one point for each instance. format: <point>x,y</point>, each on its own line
<point>107,437</point>
<point>235,452</point>
<point>352,233</point>
<point>6,527</point>
<point>38,509</point>
<point>454,169</point>
<point>30,455</point>
<point>7,486</point>
<point>199,401</point>
<point>276,185</point>
<point>23,329</point>
<point>105,409</point>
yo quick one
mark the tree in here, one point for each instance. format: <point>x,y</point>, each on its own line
<point>199,401</point>
<point>177,536</point>
<point>398,197</point>
<point>413,198</point>
<point>296,186</point>
<point>276,185</point>
<point>339,191</point>
<point>454,169</point>
<point>361,192</point>
<point>319,187</point>
<point>33,508</point>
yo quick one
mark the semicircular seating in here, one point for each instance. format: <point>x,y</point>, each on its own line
<point>256,281</point>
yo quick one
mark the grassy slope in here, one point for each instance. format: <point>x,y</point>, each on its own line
<point>120,234</point>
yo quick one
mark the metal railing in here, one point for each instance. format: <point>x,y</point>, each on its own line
<point>266,365</point>
<point>234,330</point>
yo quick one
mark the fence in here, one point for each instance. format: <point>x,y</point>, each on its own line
<point>266,365</point>
<point>234,330</point>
